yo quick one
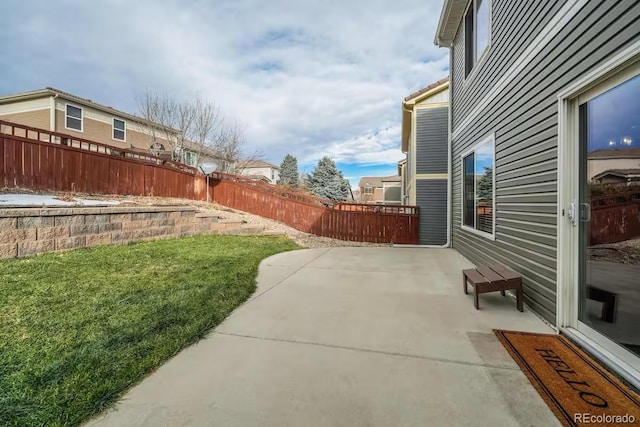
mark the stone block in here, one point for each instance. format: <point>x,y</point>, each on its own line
<point>97,219</point>
<point>8,250</point>
<point>70,242</point>
<point>69,220</point>
<point>81,230</point>
<point>8,224</point>
<point>158,215</point>
<point>98,239</point>
<point>140,216</point>
<point>35,221</point>
<point>111,226</point>
<point>120,217</point>
<point>35,247</point>
<point>17,235</point>
<point>120,236</point>
<point>52,233</point>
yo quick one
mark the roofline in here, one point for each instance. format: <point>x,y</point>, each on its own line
<point>444,17</point>
<point>49,91</point>
<point>445,21</point>
<point>407,110</point>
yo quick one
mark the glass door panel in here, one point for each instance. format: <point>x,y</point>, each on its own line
<point>608,212</point>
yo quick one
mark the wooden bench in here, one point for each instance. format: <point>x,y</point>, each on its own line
<point>491,279</point>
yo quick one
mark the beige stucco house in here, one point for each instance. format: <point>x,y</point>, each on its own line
<point>381,189</point>
<point>62,112</point>
<point>259,169</point>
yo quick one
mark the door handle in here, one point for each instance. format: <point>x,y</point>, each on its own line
<point>585,212</point>
<point>572,213</point>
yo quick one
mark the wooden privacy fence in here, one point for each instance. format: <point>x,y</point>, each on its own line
<point>42,160</point>
<point>351,222</point>
<point>615,217</point>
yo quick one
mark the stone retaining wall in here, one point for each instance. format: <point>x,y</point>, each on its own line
<point>31,231</point>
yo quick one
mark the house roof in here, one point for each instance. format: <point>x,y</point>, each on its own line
<point>376,181</point>
<point>616,153</point>
<point>426,89</point>
<point>49,91</point>
<point>622,173</point>
<point>450,17</point>
<point>411,100</point>
<point>249,164</point>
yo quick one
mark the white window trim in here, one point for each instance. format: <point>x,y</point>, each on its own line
<point>617,69</point>
<point>478,62</point>
<point>113,129</point>
<point>490,236</point>
<point>66,115</point>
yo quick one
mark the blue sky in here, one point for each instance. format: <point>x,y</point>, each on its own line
<point>306,78</point>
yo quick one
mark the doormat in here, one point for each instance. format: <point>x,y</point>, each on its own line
<point>577,389</point>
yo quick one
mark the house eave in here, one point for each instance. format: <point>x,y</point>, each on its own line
<point>450,17</point>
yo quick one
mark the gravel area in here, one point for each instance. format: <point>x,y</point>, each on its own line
<point>271,227</point>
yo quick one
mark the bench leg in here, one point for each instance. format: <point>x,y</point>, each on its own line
<point>503,294</point>
<point>475,297</point>
<point>519,298</point>
<point>464,284</point>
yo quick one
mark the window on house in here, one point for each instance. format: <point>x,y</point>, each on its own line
<point>119,129</point>
<point>189,158</point>
<point>368,190</point>
<point>478,187</point>
<point>477,24</point>
<point>73,118</point>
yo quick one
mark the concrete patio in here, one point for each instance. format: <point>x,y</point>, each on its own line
<point>349,337</point>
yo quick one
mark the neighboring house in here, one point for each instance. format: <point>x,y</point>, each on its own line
<point>618,176</point>
<point>600,161</point>
<point>57,111</point>
<point>392,190</point>
<point>256,168</point>
<point>62,112</point>
<point>371,189</point>
<point>538,88</point>
<point>425,140</point>
<point>380,189</point>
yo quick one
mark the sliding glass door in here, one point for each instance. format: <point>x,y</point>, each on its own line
<point>607,214</point>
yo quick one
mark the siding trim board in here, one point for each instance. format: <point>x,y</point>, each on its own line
<point>558,22</point>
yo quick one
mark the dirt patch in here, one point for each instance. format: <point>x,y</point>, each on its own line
<point>627,252</point>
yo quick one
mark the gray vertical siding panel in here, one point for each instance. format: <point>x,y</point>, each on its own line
<point>432,141</point>
<point>524,119</point>
<point>431,197</point>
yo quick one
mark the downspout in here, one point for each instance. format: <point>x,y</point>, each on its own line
<point>52,113</point>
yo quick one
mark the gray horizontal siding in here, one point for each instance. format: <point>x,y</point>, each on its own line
<point>514,26</point>
<point>431,197</point>
<point>524,119</point>
<point>432,140</point>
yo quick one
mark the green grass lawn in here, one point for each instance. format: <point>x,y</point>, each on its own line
<point>78,328</point>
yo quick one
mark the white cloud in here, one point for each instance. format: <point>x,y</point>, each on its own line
<point>310,78</point>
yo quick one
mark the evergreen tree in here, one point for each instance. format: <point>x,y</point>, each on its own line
<point>327,181</point>
<point>485,185</point>
<point>289,171</point>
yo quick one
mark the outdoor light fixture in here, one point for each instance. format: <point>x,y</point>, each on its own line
<point>627,140</point>
<point>612,142</point>
<point>208,169</point>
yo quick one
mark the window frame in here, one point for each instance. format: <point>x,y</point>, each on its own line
<point>369,190</point>
<point>476,60</point>
<point>67,116</point>
<point>491,236</point>
<point>113,130</point>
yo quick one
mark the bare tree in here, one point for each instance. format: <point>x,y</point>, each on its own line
<point>207,126</point>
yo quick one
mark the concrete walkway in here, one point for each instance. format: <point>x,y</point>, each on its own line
<point>349,337</point>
